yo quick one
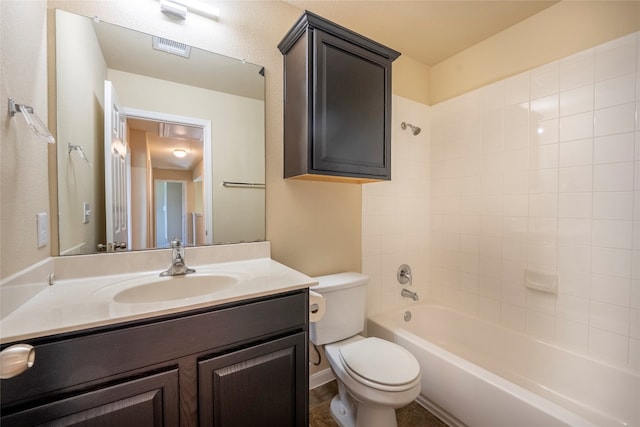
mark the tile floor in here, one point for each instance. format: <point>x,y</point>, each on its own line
<point>412,415</point>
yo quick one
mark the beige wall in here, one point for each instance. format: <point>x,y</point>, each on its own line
<point>313,226</point>
<point>81,80</point>
<point>23,156</point>
<point>565,28</point>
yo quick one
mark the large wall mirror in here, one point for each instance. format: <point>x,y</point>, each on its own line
<point>156,140</point>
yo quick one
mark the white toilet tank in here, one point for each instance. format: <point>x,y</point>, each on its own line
<point>346,301</point>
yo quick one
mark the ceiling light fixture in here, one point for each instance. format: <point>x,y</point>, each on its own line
<point>179,8</point>
<point>180,152</point>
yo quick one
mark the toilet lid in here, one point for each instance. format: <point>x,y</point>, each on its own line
<point>380,361</point>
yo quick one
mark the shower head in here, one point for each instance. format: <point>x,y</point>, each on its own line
<point>415,130</point>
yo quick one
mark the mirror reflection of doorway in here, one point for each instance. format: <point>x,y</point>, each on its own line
<point>171,149</point>
<point>170,212</point>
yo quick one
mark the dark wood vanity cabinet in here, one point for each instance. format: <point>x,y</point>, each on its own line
<point>239,365</point>
<point>337,103</point>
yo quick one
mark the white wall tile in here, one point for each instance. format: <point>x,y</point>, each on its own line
<point>608,346</point>
<point>573,257</point>
<point>620,90</point>
<point>543,205</point>
<point>634,354</point>
<point>516,160</point>
<point>573,308</point>
<point>515,205</point>
<point>577,126</point>
<point>572,335</point>
<point>611,289</point>
<point>613,262</point>
<point>613,205</point>
<point>613,234</point>
<point>614,148</point>
<point>609,317</point>
<point>517,89</point>
<point>489,309</point>
<point>541,325</point>
<point>543,156</point>
<point>515,182</point>
<point>514,249</point>
<point>542,171</point>
<point>616,58</point>
<point>575,205</point>
<point>576,283</point>
<point>574,231</point>
<point>543,229</point>
<point>575,101</point>
<point>576,153</point>
<point>614,120</point>
<point>515,227</point>
<point>544,131</point>
<point>514,317</point>
<point>543,181</point>
<point>545,80</point>
<point>577,70</point>
<point>575,179</point>
<point>543,109</point>
<point>542,253</point>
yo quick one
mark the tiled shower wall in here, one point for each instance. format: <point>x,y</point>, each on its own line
<point>395,217</point>
<point>540,171</point>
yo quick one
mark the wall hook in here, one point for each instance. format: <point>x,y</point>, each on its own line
<point>32,119</point>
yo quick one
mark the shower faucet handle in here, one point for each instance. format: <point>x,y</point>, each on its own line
<point>404,275</point>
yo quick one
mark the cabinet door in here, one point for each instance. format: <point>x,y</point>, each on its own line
<point>265,385</point>
<point>352,88</point>
<point>149,401</point>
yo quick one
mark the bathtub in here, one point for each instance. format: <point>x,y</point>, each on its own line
<point>478,373</point>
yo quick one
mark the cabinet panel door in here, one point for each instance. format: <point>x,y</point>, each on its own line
<point>352,90</point>
<point>150,401</point>
<point>265,385</point>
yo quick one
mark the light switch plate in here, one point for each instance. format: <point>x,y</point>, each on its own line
<point>42,222</point>
<point>86,212</point>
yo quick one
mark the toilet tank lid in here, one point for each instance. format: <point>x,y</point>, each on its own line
<point>334,282</point>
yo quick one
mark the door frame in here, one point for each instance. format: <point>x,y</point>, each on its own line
<point>206,155</point>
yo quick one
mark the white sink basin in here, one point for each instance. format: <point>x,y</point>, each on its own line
<point>159,289</point>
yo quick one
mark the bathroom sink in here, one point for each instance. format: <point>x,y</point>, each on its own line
<point>160,289</point>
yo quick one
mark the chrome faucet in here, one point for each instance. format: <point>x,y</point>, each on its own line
<point>178,266</point>
<point>408,294</point>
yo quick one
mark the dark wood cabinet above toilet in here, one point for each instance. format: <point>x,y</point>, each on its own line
<point>337,103</point>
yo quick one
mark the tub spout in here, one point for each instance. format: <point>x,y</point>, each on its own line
<point>408,294</point>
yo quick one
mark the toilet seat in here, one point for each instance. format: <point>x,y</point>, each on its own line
<point>380,364</point>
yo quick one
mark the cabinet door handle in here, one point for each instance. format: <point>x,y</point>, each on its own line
<point>16,359</point>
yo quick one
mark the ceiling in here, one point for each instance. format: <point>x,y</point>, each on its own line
<point>202,68</point>
<point>429,31</point>
<point>188,138</point>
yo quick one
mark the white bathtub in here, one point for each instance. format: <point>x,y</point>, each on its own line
<point>478,373</point>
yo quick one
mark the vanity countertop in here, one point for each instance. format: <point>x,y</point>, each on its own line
<point>76,304</point>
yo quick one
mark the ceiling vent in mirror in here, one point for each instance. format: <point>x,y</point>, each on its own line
<point>172,47</point>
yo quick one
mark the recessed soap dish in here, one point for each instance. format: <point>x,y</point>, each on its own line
<point>541,281</point>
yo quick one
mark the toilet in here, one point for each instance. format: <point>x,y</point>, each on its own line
<point>374,376</point>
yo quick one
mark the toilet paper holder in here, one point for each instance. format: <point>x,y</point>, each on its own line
<point>317,306</point>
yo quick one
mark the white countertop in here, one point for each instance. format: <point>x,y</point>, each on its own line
<point>76,304</point>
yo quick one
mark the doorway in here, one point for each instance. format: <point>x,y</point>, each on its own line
<point>171,212</point>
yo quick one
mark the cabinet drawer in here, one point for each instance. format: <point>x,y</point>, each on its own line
<point>148,401</point>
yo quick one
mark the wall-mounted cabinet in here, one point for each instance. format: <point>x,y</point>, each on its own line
<point>337,103</point>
